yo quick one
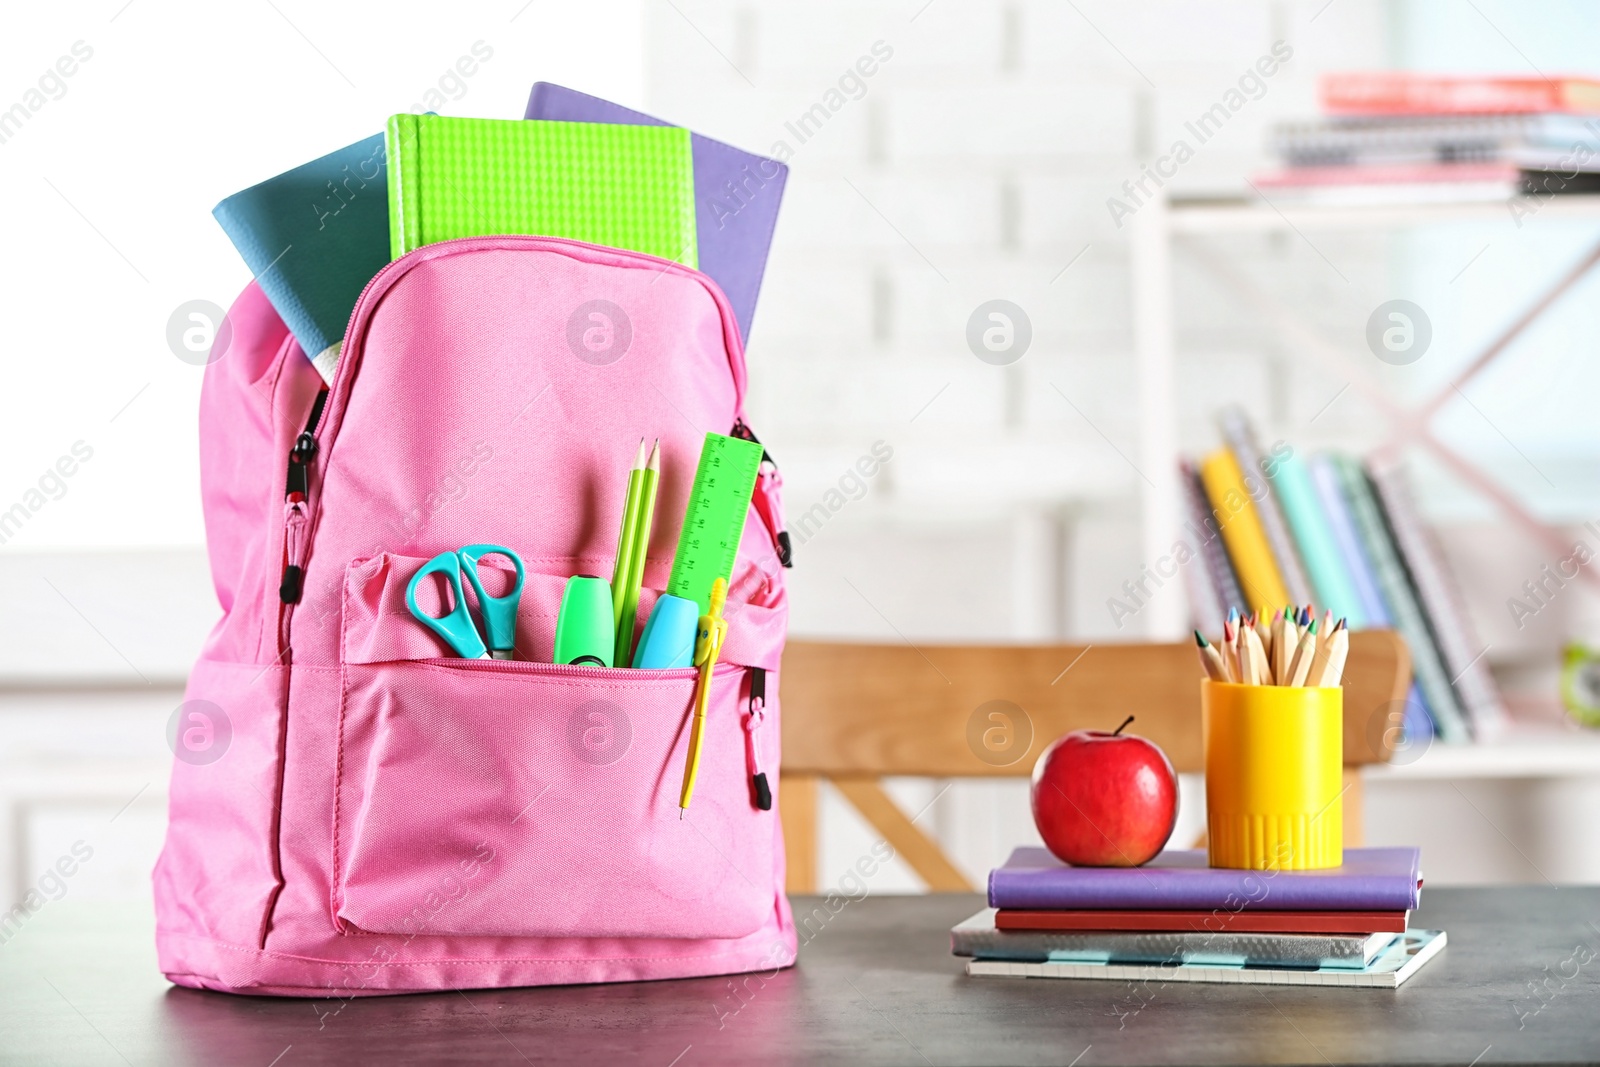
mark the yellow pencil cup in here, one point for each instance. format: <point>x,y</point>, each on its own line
<point>1274,763</point>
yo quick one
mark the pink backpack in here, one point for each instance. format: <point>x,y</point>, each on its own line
<point>355,812</point>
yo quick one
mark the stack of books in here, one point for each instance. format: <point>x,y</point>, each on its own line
<point>1398,137</point>
<point>1177,920</point>
<point>1273,528</point>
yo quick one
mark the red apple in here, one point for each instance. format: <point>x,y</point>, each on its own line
<point>1104,799</point>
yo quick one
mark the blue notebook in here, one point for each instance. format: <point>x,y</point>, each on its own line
<point>1369,609</point>
<point>313,237</point>
<point>736,195</point>
<point>1336,591</point>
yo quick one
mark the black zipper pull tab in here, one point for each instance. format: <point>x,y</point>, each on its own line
<point>303,452</point>
<point>297,484</point>
<point>753,722</point>
<point>300,457</point>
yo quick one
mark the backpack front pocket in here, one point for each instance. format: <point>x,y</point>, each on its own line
<point>512,798</point>
<point>499,799</point>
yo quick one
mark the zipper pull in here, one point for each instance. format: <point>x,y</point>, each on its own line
<point>752,726</point>
<point>297,484</point>
<point>769,486</point>
<point>294,550</point>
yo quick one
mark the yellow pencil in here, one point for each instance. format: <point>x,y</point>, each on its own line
<point>707,646</point>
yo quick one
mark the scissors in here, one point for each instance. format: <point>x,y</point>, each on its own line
<point>456,625</point>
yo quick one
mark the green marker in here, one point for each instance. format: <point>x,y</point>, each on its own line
<point>714,521</point>
<point>583,628</point>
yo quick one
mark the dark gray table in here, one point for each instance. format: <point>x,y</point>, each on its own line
<point>78,985</point>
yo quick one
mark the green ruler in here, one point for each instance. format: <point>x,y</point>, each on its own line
<point>714,521</point>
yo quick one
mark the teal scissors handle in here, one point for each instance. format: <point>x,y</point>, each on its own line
<point>455,625</point>
<point>499,612</point>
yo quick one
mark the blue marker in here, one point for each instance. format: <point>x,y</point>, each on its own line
<point>668,638</point>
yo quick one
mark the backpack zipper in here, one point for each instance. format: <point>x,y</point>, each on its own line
<point>754,721</point>
<point>296,485</point>
<point>780,538</point>
<point>299,523</point>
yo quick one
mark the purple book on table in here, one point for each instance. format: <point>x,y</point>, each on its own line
<point>736,194</point>
<point>1372,879</point>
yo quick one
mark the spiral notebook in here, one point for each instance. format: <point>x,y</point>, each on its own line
<point>1403,958</point>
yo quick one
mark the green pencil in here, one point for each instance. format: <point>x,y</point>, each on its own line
<point>639,549</point>
<point>624,564</point>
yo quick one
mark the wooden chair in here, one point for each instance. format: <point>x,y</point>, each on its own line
<point>853,713</point>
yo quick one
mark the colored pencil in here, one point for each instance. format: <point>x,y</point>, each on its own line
<point>638,550</point>
<point>623,567</point>
<point>1258,658</point>
<point>1303,657</point>
<point>1338,650</point>
<point>1209,660</point>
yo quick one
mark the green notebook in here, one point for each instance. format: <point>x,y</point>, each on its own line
<point>624,186</point>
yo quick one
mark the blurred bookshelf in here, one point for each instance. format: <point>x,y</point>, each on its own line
<point>1541,741</point>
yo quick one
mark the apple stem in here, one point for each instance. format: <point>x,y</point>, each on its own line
<point>1118,731</point>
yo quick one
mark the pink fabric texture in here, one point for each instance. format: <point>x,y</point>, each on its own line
<point>386,818</point>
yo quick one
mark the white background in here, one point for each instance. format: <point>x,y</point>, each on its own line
<point>109,189</point>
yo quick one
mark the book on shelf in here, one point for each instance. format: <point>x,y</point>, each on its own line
<point>1371,611</point>
<point>980,938</point>
<point>1398,962</point>
<point>1395,138</point>
<point>1364,554</point>
<point>1230,495</point>
<point>1440,602</point>
<point>1335,590</point>
<point>1411,93</point>
<point>1241,438</point>
<point>1379,185</point>
<point>1212,587</point>
<point>1530,141</point>
<point>1427,667</point>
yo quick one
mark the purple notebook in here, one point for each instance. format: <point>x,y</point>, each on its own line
<point>736,195</point>
<point>1372,879</point>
